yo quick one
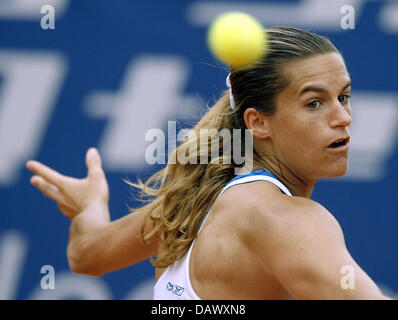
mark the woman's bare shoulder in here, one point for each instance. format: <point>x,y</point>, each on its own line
<point>263,196</point>
<point>261,204</point>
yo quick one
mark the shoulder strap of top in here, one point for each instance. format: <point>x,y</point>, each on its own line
<point>256,175</point>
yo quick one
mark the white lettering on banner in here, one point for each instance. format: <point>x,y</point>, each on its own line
<point>151,94</point>
<point>30,10</point>
<point>30,86</point>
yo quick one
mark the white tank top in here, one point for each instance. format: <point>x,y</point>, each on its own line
<point>175,283</point>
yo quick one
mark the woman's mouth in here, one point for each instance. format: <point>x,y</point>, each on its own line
<point>340,144</point>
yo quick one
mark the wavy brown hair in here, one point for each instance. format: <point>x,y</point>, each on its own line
<point>180,195</point>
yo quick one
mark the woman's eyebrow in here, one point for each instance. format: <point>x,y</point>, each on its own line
<point>322,90</point>
<point>348,84</point>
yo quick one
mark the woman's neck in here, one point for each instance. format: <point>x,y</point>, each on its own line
<point>296,185</point>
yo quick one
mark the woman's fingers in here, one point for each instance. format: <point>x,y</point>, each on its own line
<point>46,188</point>
<point>47,173</point>
<point>52,192</point>
<point>72,193</point>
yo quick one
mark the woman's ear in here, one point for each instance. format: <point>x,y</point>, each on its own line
<point>257,123</point>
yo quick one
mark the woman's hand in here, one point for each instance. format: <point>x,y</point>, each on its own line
<point>73,195</point>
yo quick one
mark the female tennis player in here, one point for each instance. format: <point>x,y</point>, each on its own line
<point>216,235</point>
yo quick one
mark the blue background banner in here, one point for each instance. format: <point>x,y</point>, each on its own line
<point>112,70</point>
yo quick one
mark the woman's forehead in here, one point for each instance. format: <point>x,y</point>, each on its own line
<point>325,70</point>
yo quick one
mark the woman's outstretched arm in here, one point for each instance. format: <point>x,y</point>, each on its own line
<point>96,248</point>
<point>96,245</point>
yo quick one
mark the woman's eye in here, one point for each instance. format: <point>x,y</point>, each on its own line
<point>313,104</point>
<point>344,98</point>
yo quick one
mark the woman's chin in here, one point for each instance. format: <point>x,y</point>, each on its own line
<point>337,171</point>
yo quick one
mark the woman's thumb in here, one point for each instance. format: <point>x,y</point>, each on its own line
<point>93,161</point>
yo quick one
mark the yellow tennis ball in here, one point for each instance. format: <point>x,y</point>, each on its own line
<point>237,39</point>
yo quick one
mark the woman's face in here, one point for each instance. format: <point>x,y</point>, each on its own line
<point>312,113</point>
